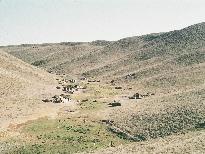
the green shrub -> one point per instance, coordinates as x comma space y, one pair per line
39, 63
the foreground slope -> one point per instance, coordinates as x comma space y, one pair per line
22, 88
192, 142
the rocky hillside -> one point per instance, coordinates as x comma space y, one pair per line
163, 62
119, 58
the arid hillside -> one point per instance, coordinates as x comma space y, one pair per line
138, 54
22, 88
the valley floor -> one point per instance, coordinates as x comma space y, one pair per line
83, 125
57, 127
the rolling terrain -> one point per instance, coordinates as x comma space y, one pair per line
167, 69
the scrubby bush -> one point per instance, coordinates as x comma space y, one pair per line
39, 63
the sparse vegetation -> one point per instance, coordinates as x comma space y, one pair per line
39, 63
65, 136
175, 114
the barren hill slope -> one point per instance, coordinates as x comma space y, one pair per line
163, 62
117, 58
52, 56
22, 88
